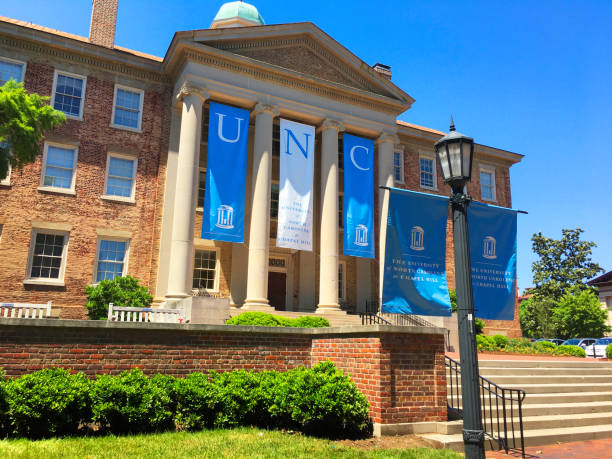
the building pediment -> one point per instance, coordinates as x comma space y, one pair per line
301, 49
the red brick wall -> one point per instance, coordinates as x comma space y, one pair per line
23, 203
401, 374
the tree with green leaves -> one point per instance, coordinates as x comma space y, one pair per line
559, 274
25, 119
579, 314
564, 264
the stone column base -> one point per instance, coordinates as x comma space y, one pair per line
261, 305
330, 309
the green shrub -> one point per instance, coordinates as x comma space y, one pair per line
50, 402
260, 319
483, 343
310, 322
322, 401
609, 351
131, 402
575, 351
197, 402
480, 325
500, 341
263, 319
121, 291
545, 346
4, 420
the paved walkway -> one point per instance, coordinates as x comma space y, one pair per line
506, 356
593, 449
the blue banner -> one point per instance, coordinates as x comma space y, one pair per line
228, 132
358, 197
415, 255
492, 233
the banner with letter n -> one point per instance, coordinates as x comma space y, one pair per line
358, 197
228, 132
414, 279
492, 233
295, 195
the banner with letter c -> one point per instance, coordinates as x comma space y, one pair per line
296, 181
492, 233
415, 255
228, 132
358, 197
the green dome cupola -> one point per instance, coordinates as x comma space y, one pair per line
237, 14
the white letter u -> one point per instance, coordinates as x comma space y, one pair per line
220, 129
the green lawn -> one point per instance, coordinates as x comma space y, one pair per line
213, 444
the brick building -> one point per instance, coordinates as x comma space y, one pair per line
118, 189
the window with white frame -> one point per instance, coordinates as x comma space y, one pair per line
120, 176
205, 270
127, 107
398, 167
111, 259
6, 181
47, 255
11, 69
59, 166
341, 280
69, 94
427, 171
341, 210
202, 175
487, 184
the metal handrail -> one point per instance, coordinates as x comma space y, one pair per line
368, 318
499, 407
373, 307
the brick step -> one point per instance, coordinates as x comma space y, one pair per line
555, 388
582, 363
535, 437
539, 422
490, 373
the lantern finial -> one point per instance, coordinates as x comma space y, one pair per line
452, 125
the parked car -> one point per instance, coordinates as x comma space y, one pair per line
582, 342
598, 349
555, 341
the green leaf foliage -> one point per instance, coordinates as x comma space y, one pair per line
480, 325
452, 293
609, 351
50, 402
198, 401
579, 313
563, 264
4, 419
121, 291
571, 350
536, 315
131, 403
24, 120
263, 319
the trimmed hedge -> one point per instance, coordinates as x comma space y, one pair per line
263, 319
609, 351
321, 401
525, 346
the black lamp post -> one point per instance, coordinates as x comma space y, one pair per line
455, 152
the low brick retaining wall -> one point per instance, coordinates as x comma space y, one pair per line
399, 369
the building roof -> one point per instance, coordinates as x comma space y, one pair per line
72, 36
239, 11
603, 279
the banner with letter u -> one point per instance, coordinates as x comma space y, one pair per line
295, 194
415, 255
492, 233
228, 131
358, 197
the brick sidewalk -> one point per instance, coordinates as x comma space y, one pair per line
592, 449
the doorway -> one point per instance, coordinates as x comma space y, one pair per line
277, 289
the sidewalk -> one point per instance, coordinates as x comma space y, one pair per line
593, 449
507, 356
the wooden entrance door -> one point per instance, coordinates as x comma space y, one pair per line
277, 289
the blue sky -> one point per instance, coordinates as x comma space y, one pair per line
533, 77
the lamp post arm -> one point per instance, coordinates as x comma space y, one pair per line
473, 433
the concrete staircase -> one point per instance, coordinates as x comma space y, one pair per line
565, 401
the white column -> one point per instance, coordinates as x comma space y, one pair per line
386, 147
259, 236
181, 247
328, 267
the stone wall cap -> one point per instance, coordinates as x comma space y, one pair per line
323, 331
